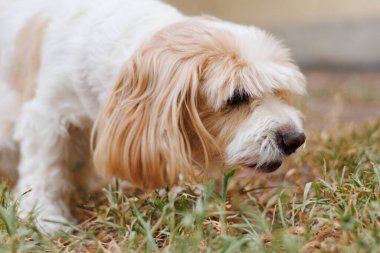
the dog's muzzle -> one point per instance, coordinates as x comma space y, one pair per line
288, 142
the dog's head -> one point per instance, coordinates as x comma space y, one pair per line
200, 94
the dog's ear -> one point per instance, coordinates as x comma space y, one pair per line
145, 130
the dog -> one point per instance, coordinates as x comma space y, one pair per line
140, 92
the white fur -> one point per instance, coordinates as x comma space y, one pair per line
86, 44
255, 141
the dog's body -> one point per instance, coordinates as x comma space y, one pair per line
163, 94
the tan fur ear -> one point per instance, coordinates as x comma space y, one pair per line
145, 130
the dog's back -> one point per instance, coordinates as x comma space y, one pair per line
21, 38
22, 26
53, 37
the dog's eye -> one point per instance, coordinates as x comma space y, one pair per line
238, 98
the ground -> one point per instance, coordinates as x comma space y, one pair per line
325, 199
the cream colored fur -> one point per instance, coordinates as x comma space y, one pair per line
168, 98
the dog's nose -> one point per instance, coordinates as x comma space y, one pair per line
289, 142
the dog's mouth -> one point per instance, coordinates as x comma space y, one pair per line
266, 167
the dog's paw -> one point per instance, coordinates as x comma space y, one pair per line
53, 223
50, 216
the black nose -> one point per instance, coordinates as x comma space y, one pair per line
288, 142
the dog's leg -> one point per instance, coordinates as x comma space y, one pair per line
9, 110
8, 159
43, 134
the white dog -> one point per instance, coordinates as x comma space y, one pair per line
167, 97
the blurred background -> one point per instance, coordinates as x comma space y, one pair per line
336, 43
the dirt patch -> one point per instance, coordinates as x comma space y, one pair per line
325, 239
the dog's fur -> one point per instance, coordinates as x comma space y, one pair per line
169, 98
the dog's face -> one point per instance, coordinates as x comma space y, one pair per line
200, 94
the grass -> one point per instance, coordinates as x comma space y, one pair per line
327, 201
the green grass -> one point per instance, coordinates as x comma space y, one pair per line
329, 203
